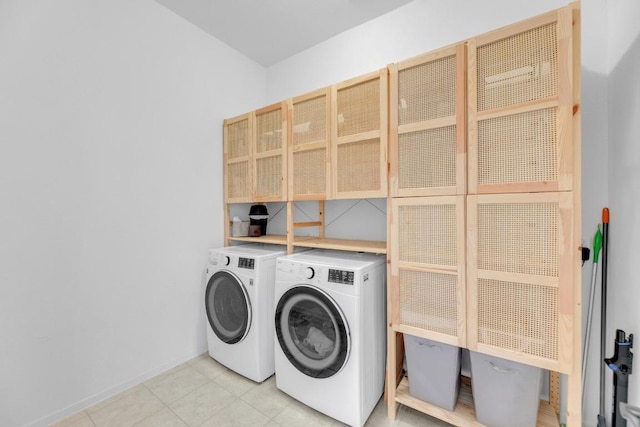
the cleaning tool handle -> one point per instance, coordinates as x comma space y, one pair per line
597, 244
605, 216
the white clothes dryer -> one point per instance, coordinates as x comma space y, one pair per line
330, 323
239, 306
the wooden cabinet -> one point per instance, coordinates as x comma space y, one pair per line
270, 153
359, 137
238, 170
427, 142
521, 107
309, 147
427, 268
520, 279
521, 141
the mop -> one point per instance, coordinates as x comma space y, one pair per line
603, 314
597, 244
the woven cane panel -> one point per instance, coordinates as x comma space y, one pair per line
518, 317
518, 238
518, 69
427, 234
359, 108
428, 301
427, 158
310, 121
427, 91
238, 180
359, 166
269, 176
309, 172
518, 148
238, 139
269, 131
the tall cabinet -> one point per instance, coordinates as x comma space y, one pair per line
485, 206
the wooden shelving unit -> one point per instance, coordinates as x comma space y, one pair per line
482, 186
509, 103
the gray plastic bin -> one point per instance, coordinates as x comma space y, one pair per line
505, 393
434, 371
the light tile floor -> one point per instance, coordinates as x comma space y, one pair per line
204, 393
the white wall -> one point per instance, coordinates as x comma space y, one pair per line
624, 179
416, 28
110, 175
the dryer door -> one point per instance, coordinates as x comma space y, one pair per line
228, 307
312, 331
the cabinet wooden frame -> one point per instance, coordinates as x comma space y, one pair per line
320, 144
275, 188
455, 115
547, 296
553, 105
238, 165
352, 126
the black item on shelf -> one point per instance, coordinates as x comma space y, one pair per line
258, 215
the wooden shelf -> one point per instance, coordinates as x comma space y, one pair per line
274, 239
464, 413
371, 246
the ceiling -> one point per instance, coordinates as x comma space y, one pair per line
269, 31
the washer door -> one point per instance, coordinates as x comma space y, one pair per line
312, 331
228, 307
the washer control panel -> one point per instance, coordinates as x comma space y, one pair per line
343, 277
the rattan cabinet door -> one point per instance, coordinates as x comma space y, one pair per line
237, 159
427, 281
520, 277
521, 107
310, 130
359, 143
427, 142
270, 153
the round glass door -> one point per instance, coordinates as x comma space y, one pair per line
228, 307
312, 331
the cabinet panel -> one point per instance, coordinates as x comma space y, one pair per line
427, 149
270, 155
237, 159
309, 155
520, 277
427, 267
520, 108
359, 143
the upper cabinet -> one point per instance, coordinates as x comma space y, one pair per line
309, 148
521, 107
359, 137
237, 159
427, 145
270, 153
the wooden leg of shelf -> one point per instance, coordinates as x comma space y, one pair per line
395, 353
290, 228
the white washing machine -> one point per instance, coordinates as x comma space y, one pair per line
239, 305
330, 323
